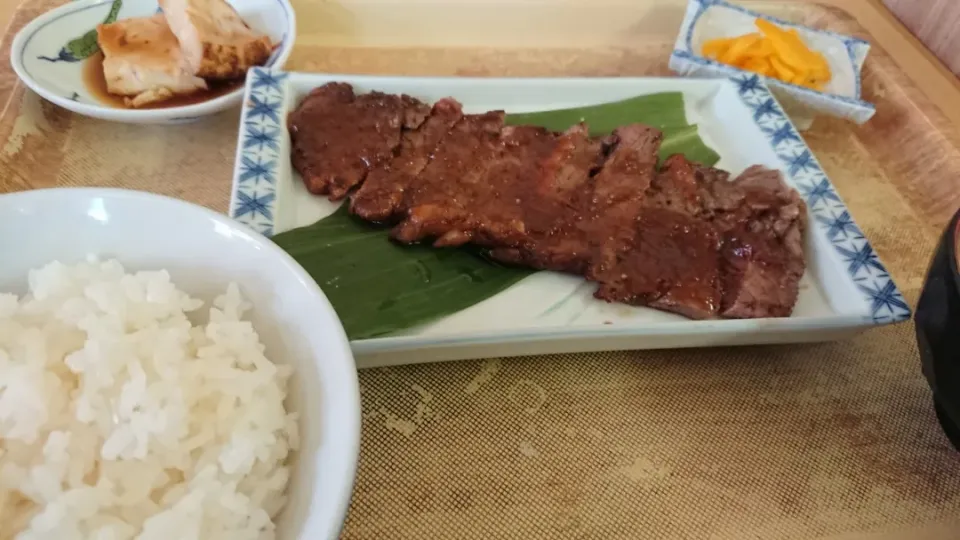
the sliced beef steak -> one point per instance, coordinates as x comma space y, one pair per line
555, 203
380, 197
671, 263
760, 223
762, 247
705, 246
686, 239
618, 195
670, 260
462, 195
676, 188
337, 137
758, 277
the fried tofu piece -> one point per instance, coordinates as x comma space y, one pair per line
142, 60
215, 41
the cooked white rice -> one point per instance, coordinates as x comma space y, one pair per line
120, 419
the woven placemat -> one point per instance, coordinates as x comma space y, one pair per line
833, 441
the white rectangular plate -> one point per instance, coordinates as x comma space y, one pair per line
845, 289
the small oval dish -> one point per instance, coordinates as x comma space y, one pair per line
56, 55
709, 19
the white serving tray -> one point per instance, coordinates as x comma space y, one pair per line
845, 290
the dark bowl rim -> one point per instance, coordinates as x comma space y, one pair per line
952, 252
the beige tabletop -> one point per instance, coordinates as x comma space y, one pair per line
6, 10
834, 441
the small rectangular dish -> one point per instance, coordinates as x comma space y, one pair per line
845, 290
709, 19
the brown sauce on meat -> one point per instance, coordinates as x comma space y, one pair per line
96, 84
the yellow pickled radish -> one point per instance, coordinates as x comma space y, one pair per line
774, 52
739, 48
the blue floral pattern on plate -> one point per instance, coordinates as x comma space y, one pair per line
829, 216
254, 201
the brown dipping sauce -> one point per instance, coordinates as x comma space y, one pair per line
96, 84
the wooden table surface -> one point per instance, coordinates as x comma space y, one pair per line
7, 7
936, 23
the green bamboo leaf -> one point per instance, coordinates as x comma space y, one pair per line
86, 46
658, 110
686, 140
379, 287
664, 111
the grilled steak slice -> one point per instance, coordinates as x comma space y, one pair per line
630, 167
758, 277
453, 195
481, 180
338, 137
676, 188
618, 195
671, 263
380, 197
762, 247
555, 205
511, 186
759, 222
670, 259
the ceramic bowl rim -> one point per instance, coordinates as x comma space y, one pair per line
953, 250
170, 114
345, 373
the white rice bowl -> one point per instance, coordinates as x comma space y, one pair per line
130, 410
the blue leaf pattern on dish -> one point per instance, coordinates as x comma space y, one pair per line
257, 169
261, 137
781, 134
254, 201
262, 107
255, 205
266, 81
819, 192
861, 258
748, 84
841, 225
830, 216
